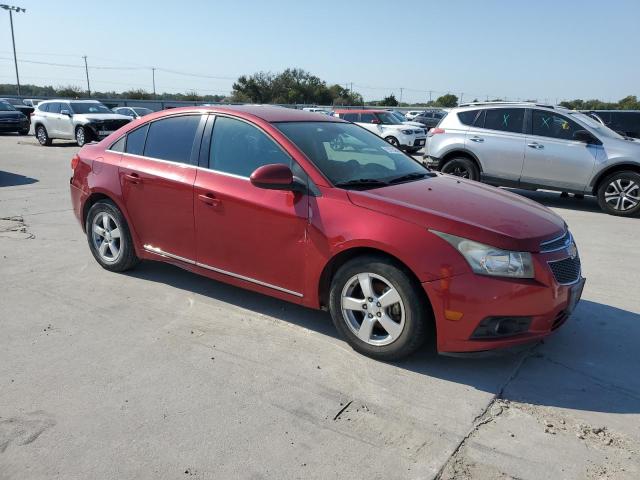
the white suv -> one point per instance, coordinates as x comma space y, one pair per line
387, 126
79, 120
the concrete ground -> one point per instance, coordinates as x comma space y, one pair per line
162, 374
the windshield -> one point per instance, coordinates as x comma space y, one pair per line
399, 116
88, 107
595, 125
345, 153
142, 111
387, 118
5, 107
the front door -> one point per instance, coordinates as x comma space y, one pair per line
157, 172
246, 232
553, 158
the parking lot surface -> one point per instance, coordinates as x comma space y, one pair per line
159, 373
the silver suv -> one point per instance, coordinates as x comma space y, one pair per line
532, 146
79, 120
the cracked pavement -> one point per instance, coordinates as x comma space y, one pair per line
163, 374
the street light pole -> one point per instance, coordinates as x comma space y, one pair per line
86, 70
12, 9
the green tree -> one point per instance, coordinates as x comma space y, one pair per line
137, 94
389, 101
70, 91
448, 101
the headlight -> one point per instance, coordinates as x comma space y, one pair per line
488, 260
407, 132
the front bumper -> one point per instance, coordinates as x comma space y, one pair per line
462, 302
14, 126
412, 141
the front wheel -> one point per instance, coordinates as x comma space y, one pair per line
378, 308
81, 136
109, 237
619, 194
462, 167
393, 141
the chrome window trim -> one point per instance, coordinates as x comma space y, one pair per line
162, 253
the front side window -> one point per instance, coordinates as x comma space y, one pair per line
350, 156
172, 138
367, 117
505, 119
239, 148
549, 124
350, 117
135, 140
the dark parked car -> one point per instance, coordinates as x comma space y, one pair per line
430, 119
625, 122
12, 120
19, 106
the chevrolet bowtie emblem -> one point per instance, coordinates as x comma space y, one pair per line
572, 250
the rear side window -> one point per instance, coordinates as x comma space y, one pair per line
467, 117
54, 107
551, 125
172, 138
505, 119
367, 117
350, 117
119, 145
135, 140
239, 148
44, 107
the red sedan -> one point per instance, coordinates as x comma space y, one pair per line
317, 211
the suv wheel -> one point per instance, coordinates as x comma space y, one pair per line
109, 238
81, 136
462, 167
42, 136
393, 141
619, 194
378, 308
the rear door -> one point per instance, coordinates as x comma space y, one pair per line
157, 172
497, 139
553, 158
243, 231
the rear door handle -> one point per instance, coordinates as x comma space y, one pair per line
535, 145
133, 178
477, 139
209, 198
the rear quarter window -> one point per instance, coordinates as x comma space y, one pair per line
467, 117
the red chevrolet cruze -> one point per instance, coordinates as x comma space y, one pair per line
318, 211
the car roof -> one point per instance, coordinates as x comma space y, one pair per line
69, 100
268, 113
361, 110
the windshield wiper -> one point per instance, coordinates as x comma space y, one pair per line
410, 176
362, 182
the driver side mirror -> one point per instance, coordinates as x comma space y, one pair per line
65, 112
376, 121
276, 176
586, 137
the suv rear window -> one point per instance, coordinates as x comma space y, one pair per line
467, 117
505, 119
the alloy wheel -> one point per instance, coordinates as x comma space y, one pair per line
80, 136
105, 234
372, 309
42, 135
622, 194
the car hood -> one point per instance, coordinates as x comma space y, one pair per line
101, 116
413, 124
467, 209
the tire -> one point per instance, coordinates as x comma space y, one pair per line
619, 194
462, 167
43, 136
82, 136
409, 316
393, 141
412, 150
104, 245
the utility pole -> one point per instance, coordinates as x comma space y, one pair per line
461, 95
86, 71
401, 89
153, 76
430, 92
12, 9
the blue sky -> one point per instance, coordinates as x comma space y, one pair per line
515, 49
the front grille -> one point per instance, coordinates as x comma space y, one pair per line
559, 320
111, 125
557, 243
566, 271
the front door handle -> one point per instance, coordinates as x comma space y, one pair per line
133, 178
209, 198
535, 145
477, 139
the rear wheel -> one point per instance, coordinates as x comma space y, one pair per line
462, 167
619, 194
378, 308
43, 136
109, 237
